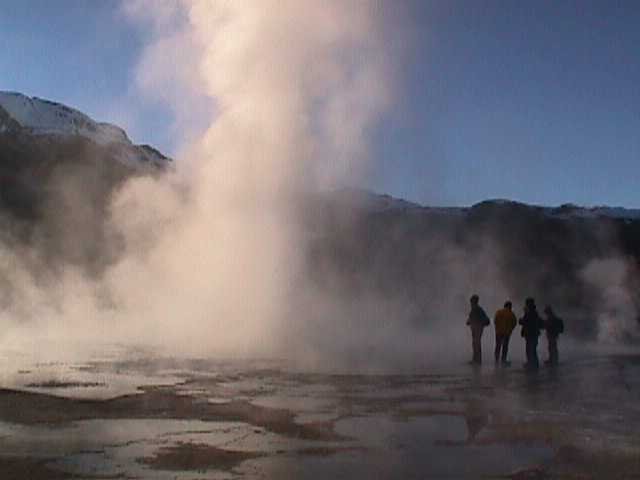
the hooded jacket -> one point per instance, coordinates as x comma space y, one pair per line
477, 319
505, 321
553, 325
531, 323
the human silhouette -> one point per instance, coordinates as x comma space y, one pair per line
531, 326
505, 321
477, 320
554, 326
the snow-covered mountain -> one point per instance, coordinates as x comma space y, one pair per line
54, 159
59, 170
23, 115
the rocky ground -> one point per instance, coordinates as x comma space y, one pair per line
134, 414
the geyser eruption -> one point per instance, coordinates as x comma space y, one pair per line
217, 258
210, 252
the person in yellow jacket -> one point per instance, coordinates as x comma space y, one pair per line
505, 321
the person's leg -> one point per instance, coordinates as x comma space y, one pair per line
534, 352
473, 347
477, 347
553, 350
499, 345
505, 348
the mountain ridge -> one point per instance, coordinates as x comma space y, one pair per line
23, 115
40, 117
366, 199
361, 248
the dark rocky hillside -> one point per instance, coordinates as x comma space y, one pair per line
55, 189
433, 259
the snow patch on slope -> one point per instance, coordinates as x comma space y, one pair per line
573, 211
377, 203
570, 211
36, 116
371, 202
43, 117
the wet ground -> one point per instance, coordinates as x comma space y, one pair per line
133, 414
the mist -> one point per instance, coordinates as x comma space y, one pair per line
233, 253
209, 253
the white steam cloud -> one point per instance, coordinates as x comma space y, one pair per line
296, 87
611, 278
212, 250
214, 255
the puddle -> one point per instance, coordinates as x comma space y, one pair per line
295, 403
115, 447
404, 452
389, 420
384, 432
432, 447
112, 448
75, 372
313, 417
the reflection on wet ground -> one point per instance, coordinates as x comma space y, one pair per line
139, 415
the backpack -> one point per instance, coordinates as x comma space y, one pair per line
559, 325
485, 319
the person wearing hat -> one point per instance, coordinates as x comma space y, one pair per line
531, 326
505, 321
476, 321
554, 326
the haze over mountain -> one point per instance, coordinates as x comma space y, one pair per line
368, 253
145, 303
583, 261
22, 115
58, 171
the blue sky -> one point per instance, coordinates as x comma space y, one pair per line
535, 101
82, 53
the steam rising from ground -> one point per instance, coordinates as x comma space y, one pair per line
214, 257
296, 86
612, 278
212, 251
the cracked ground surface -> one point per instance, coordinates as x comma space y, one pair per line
145, 416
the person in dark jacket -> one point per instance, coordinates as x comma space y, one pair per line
505, 321
531, 326
554, 326
476, 321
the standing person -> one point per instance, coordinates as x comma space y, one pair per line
477, 320
505, 321
554, 327
531, 326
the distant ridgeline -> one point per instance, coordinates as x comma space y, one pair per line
58, 169
583, 261
43, 141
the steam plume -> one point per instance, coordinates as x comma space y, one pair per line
296, 86
214, 256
